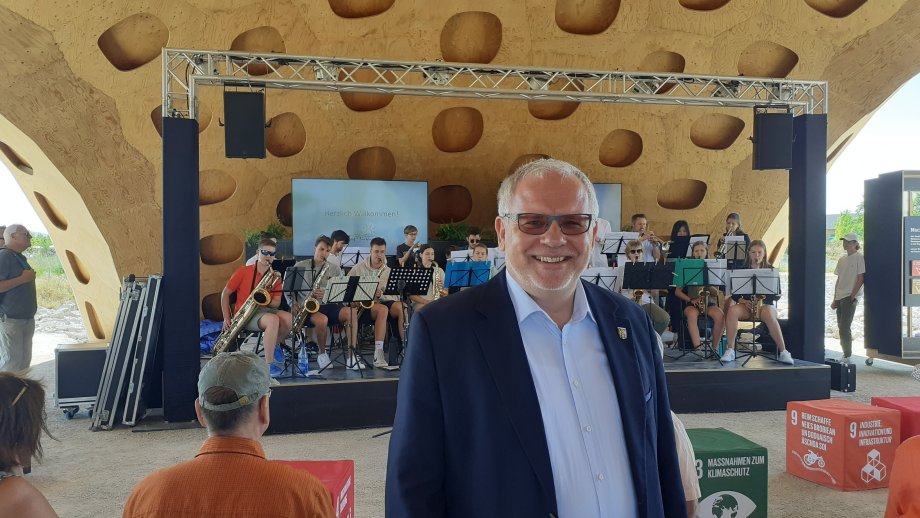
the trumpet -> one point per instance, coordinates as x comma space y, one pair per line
723, 246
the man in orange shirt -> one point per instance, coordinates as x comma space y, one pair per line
272, 322
230, 476
904, 485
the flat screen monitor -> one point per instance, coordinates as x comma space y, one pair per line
364, 209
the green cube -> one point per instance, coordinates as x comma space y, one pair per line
732, 472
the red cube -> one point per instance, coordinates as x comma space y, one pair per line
910, 413
339, 478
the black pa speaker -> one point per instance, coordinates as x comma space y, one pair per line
244, 124
772, 141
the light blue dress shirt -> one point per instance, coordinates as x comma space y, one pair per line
581, 413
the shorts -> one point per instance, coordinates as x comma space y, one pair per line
332, 313
253, 324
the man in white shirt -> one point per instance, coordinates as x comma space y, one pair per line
535, 394
340, 240
850, 271
651, 244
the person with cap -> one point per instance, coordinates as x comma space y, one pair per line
850, 272
230, 476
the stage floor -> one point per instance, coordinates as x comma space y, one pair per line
339, 398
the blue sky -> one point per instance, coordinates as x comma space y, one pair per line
889, 142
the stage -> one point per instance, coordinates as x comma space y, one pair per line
343, 399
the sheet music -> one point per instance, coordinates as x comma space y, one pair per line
717, 272
497, 256
696, 239
615, 242
742, 281
353, 255
461, 255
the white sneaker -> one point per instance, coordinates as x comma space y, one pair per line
845, 360
323, 360
380, 359
667, 337
354, 363
729, 355
785, 357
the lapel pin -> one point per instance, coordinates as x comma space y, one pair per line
622, 332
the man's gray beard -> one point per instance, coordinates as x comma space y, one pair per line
532, 281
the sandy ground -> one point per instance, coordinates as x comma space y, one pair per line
90, 474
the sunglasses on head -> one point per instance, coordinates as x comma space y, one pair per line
267, 252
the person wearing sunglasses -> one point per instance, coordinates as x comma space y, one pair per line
274, 324
660, 317
537, 392
473, 238
255, 257
18, 301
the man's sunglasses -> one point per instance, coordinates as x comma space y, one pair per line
267, 252
536, 224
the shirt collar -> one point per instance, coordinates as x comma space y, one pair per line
524, 305
227, 444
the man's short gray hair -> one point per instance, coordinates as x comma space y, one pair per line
539, 169
12, 229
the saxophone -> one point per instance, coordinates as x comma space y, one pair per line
259, 297
637, 296
311, 305
436, 280
700, 304
756, 305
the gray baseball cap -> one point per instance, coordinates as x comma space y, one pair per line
242, 372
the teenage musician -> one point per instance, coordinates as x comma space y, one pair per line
756, 258
339, 241
480, 253
406, 252
385, 305
272, 322
695, 298
732, 228
426, 260
328, 314
659, 316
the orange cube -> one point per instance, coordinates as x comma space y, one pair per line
841, 444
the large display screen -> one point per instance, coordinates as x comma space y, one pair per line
608, 199
363, 208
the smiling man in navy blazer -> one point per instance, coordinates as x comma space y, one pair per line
535, 394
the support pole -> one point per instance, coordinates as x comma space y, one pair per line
807, 205
180, 268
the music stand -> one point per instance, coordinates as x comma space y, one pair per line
615, 242
460, 256
467, 273
497, 256
679, 247
603, 276
695, 238
751, 283
405, 282
348, 290
293, 290
735, 251
353, 255
688, 273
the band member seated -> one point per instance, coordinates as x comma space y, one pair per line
473, 238
659, 316
436, 288
696, 298
480, 253
651, 251
406, 252
732, 228
328, 314
255, 257
339, 241
741, 310
272, 322
385, 306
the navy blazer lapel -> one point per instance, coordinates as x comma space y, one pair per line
631, 382
503, 349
